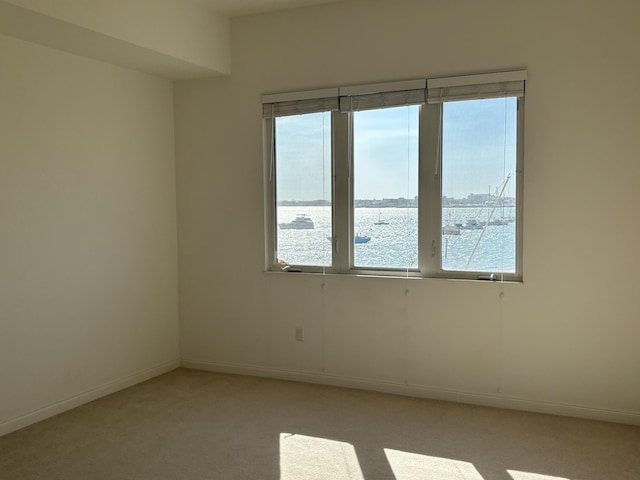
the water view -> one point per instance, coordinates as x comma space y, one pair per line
473, 238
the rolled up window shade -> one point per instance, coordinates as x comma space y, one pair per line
394, 94
381, 95
298, 103
467, 87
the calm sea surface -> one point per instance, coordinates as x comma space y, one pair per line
395, 245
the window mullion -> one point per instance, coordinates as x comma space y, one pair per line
519, 187
269, 192
430, 196
341, 187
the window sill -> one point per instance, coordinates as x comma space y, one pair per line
392, 275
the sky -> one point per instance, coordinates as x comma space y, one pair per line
385, 153
478, 151
303, 157
478, 146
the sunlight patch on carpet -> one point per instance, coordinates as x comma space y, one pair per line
412, 466
303, 457
531, 476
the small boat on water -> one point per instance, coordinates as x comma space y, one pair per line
494, 222
301, 222
451, 230
361, 239
472, 224
381, 221
358, 238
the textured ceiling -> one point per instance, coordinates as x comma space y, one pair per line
245, 7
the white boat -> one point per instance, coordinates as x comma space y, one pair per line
381, 221
495, 221
498, 221
451, 230
358, 238
472, 224
301, 222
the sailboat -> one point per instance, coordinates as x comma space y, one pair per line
380, 220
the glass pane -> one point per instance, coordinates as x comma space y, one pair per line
479, 185
303, 189
385, 143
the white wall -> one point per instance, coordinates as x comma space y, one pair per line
88, 267
565, 340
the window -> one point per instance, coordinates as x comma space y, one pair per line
303, 182
416, 178
385, 187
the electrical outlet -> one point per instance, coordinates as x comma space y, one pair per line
300, 333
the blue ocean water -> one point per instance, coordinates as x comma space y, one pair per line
394, 244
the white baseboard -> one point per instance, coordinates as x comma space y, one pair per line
629, 418
47, 411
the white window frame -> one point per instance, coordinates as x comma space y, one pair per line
341, 101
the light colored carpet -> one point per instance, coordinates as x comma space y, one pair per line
199, 425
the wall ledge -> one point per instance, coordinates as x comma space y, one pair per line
42, 29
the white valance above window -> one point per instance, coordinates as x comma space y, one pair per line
297, 103
382, 95
467, 87
393, 94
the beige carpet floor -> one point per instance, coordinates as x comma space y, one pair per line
199, 425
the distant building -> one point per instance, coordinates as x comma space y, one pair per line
481, 198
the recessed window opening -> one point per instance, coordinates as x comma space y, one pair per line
420, 177
303, 189
386, 187
478, 185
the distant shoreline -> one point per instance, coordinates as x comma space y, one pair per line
457, 205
